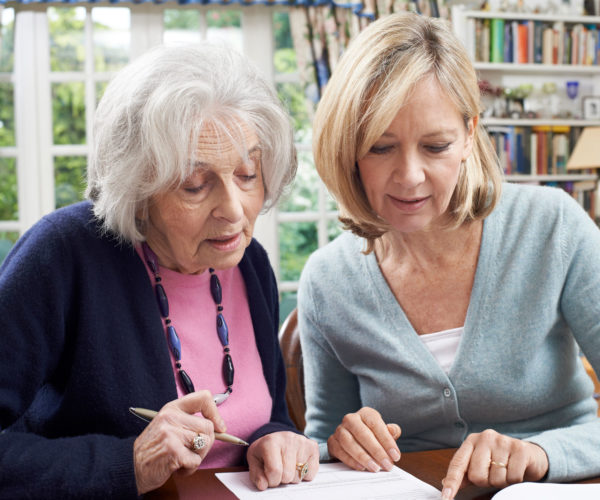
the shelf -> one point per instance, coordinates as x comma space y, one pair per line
572, 69
533, 122
524, 16
551, 178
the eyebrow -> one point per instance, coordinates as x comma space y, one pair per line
250, 152
435, 133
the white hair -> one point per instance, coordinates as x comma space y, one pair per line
148, 121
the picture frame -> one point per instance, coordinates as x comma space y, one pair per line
591, 108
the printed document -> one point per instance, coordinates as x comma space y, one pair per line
337, 481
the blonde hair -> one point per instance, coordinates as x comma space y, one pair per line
371, 82
149, 119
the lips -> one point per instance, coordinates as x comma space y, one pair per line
409, 204
226, 243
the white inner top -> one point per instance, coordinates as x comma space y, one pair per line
443, 345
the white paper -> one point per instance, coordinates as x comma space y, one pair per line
337, 481
549, 491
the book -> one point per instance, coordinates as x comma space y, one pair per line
522, 56
497, 40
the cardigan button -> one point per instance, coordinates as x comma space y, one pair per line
447, 392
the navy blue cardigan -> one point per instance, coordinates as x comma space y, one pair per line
82, 341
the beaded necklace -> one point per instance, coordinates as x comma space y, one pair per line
173, 338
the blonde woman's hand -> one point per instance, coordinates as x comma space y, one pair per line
492, 459
364, 441
276, 458
166, 444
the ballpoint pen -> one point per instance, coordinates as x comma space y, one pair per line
148, 415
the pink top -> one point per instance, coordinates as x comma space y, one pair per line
192, 311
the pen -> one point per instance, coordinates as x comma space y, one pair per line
148, 415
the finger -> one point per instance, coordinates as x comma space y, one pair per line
201, 402
313, 459
371, 433
337, 450
352, 447
289, 459
456, 470
257, 473
517, 464
272, 464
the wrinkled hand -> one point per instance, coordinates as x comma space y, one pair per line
272, 459
492, 459
165, 444
364, 441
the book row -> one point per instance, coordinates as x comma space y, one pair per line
533, 42
540, 150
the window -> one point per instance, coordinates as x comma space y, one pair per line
65, 56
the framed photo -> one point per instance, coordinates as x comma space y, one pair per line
591, 108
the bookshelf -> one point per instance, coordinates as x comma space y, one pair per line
528, 65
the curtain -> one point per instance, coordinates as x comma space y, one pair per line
322, 32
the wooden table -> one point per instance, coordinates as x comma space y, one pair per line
429, 466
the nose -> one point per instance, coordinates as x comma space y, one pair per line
409, 170
228, 203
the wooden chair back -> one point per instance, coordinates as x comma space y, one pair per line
289, 340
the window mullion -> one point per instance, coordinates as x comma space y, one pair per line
33, 117
90, 83
258, 42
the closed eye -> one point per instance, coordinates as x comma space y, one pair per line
194, 189
380, 150
438, 148
247, 178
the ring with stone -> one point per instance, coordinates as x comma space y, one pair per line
302, 470
199, 442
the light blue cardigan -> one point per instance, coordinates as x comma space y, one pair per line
536, 295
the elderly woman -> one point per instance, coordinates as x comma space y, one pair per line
149, 294
457, 307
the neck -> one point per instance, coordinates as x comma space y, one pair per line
439, 245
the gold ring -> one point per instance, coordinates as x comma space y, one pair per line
302, 470
498, 464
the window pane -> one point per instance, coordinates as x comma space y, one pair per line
292, 96
7, 40
7, 115
112, 37
8, 189
305, 190
7, 240
68, 113
297, 240
67, 50
181, 26
285, 55
287, 303
69, 179
225, 25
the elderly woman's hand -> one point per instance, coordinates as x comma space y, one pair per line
278, 458
492, 459
165, 446
364, 441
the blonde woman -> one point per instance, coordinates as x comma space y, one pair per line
451, 312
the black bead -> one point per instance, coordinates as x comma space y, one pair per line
187, 382
226, 349
215, 288
157, 278
228, 370
178, 365
220, 308
167, 321
163, 302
